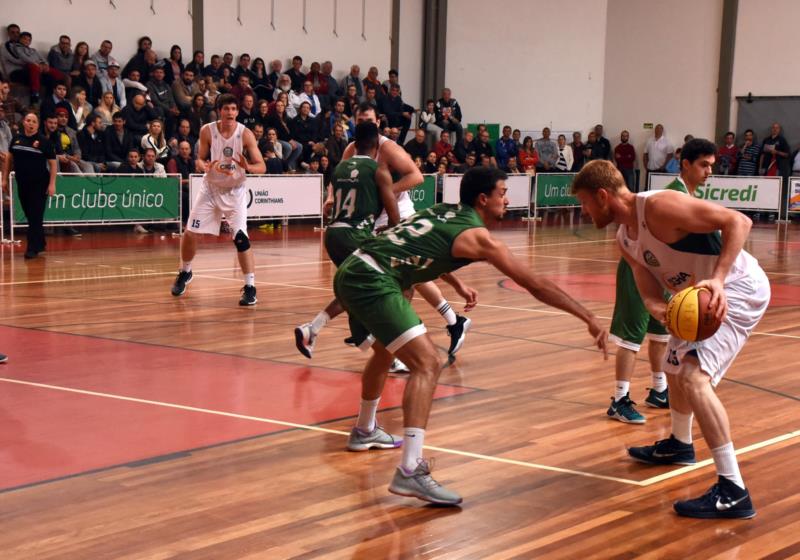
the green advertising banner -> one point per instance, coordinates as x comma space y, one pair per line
424, 196
109, 198
553, 189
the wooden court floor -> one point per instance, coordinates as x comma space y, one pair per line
137, 425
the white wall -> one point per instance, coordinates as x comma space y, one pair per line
255, 36
662, 66
528, 63
412, 17
95, 20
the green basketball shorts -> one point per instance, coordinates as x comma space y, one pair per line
341, 241
631, 320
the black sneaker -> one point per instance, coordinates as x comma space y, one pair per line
183, 279
458, 333
248, 295
665, 452
3, 358
724, 500
351, 341
657, 399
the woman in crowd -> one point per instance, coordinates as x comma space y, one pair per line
259, 80
137, 61
262, 113
106, 109
208, 87
155, 139
197, 64
80, 56
280, 123
80, 107
427, 122
431, 163
279, 147
527, 157
173, 66
33, 159
225, 84
199, 114
326, 169
446, 162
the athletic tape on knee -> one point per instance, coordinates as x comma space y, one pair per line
241, 241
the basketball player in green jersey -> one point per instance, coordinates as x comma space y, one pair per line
361, 190
673, 241
370, 285
629, 325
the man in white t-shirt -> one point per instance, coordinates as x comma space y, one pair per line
658, 151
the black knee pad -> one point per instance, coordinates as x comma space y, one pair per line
241, 241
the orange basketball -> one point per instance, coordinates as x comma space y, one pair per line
688, 315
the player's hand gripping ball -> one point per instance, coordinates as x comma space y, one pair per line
689, 316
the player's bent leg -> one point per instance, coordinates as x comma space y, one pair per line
658, 394
457, 325
188, 250
622, 408
247, 263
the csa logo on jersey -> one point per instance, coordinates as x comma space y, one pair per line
679, 280
227, 151
651, 259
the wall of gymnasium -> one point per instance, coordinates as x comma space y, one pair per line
528, 63
412, 18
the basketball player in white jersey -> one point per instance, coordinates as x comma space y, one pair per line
672, 241
225, 142
408, 176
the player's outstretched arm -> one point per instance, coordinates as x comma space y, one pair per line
255, 163
478, 244
469, 294
384, 181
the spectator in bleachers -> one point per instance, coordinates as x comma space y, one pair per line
313, 75
281, 149
272, 159
590, 148
548, 152
29, 65
625, 158
260, 133
183, 165
259, 80
371, 97
328, 89
516, 136
183, 89
208, 88
60, 56
392, 81
427, 122
197, 65
7, 53
183, 133
243, 68
156, 140
131, 164
443, 161
603, 144
225, 83
338, 115
577, 151
110, 81
419, 163
749, 155
727, 155
262, 112
657, 152
393, 134
90, 83
173, 66
674, 164
469, 163
103, 58
527, 156
336, 144
512, 166
418, 146
464, 146
454, 118
91, 141
505, 147
482, 147
296, 74
775, 152
227, 62
149, 164
281, 123
68, 151
5, 135
162, 98
80, 107
372, 81
79, 57
117, 142
137, 114
351, 99
275, 71
305, 130
326, 169
565, 160
247, 112
443, 148
13, 108
431, 163
214, 69
56, 100
308, 96
398, 114
354, 78
313, 166
134, 86
137, 61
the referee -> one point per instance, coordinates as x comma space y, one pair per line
33, 158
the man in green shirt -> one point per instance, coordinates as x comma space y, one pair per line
370, 285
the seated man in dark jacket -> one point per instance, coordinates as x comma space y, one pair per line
137, 114
417, 146
92, 143
397, 113
305, 130
118, 142
131, 164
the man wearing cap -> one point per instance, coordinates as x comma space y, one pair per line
90, 81
103, 58
110, 81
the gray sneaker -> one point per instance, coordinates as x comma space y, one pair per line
377, 438
420, 484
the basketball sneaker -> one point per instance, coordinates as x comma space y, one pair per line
183, 279
724, 500
377, 439
3, 358
304, 339
657, 399
420, 484
362, 343
458, 333
398, 367
665, 452
248, 295
625, 411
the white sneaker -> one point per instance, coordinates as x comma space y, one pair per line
304, 339
398, 367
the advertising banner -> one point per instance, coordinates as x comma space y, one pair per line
519, 188
276, 196
109, 198
794, 194
424, 196
731, 191
553, 189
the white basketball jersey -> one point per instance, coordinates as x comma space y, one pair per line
683, 263
226, 173
404, 203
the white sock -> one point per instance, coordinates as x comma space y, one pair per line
659, 380
727, 465
681, 425
250, 279
186, 266
621, 388
319, 321
447, 312
366, 415
413, 440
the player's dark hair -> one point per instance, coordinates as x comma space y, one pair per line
477, 181
697, 147
227, 99
366, 137
365, 107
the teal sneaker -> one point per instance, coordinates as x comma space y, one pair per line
420, 484
377, 439
624, 411
657, 399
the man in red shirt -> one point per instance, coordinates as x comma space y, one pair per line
727, 156
625, 157
443, 148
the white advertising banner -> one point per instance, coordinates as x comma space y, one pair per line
731, 191
519, 187
276, 196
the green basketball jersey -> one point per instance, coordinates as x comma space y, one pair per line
355, 193
677, 185
418, 249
